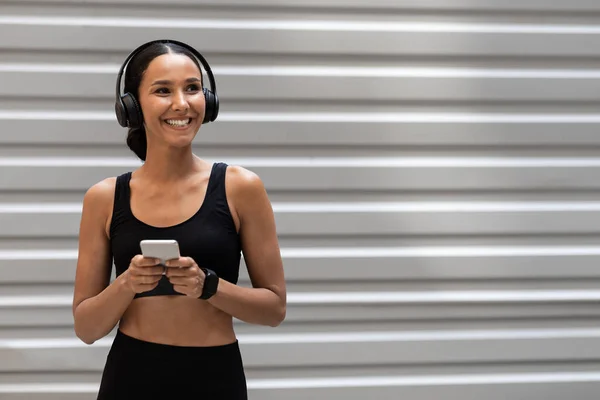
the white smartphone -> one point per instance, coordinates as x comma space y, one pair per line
164, 250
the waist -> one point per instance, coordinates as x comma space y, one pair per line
177, 321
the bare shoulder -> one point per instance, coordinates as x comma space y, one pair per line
98, 201
246, 192
242, 181
101, 193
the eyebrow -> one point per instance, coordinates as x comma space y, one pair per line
167, 82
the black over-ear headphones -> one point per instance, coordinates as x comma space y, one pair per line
129, 113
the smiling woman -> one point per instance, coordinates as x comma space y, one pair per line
164, 80
175, 320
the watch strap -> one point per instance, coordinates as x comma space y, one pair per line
211, 282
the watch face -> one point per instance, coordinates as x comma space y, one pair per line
210, 279
211, 282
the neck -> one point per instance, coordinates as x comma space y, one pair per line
167, 165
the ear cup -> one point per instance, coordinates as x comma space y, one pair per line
120, 112
212, 106
133, 112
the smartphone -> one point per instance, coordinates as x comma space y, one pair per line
164, 250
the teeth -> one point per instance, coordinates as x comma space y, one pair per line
178, 122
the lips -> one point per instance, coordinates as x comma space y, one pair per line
178, 122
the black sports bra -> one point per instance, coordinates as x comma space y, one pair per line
209, 236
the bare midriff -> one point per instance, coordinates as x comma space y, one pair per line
177, 321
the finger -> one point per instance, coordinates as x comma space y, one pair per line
182, 271
140, 272
147, 279
181, 262
141, 261
183, 281
151, 271
147, 286
149, 262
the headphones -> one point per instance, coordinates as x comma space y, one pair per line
127, 108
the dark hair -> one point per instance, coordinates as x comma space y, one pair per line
136, 137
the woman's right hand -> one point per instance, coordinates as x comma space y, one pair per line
143, 274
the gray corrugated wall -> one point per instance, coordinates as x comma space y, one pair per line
433, 166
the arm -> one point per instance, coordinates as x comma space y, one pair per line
97, 306
265, 302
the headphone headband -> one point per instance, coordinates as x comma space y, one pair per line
126, 107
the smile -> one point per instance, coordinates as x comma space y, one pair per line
179, 122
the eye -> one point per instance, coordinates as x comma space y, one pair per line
162, 90
194, 87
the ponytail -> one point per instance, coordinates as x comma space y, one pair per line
137, 142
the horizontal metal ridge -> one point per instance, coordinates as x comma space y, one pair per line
360, 5
296, 83
358, 218
302, 25
68, 162
370, 336
48, 388
471, 296
325, 37
304, 117
340, 349
453, 207
324, 162
436, 251
360, 252
38, 254
353, 298
311, 128
50, 208
466, 379
337, 337
325, 71
357, 207
350, 381
345, 265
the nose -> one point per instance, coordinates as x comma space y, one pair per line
180, 103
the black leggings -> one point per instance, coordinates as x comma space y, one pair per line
136, 369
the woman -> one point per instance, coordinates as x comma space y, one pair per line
175, 336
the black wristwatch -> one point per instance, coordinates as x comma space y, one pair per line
211, 282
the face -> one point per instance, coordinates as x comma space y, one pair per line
171, 99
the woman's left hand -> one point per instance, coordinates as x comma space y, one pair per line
185, 275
